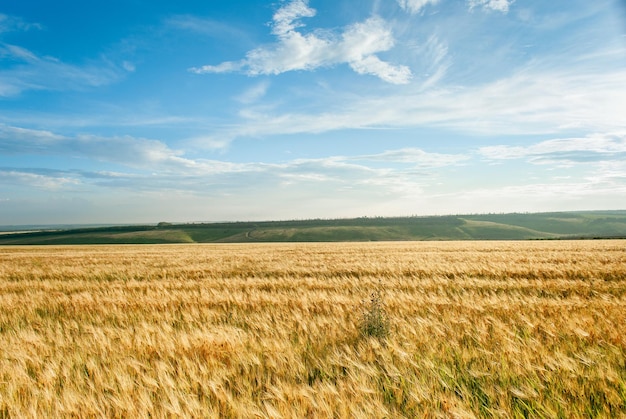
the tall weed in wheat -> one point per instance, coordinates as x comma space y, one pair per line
477, 329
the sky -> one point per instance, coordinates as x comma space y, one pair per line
135, 111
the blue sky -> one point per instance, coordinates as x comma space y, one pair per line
144, 111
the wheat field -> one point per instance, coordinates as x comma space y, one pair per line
475, 329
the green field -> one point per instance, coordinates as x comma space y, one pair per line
517, 226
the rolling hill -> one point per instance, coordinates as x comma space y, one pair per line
515, 226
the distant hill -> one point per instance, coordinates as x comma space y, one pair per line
516, 226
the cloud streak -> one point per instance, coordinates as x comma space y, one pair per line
24, 70
414, 156
294, 50
126, 150
597, 147
205, 26
496, 5
13, 23
46, 180
415, 6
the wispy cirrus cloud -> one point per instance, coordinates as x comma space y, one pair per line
13, 23
414, 156
125, 150
357, 46
415, 6
435, 60
254, 93
24, 70
206, 26
496, 5
40, 179
592, 148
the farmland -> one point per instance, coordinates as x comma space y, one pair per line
476, 329
520, 226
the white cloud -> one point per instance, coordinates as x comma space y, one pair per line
225, 67
356, 46
385, 71
359, 44
285, 19
497, 5
414, 6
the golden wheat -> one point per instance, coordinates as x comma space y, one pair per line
477, 329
